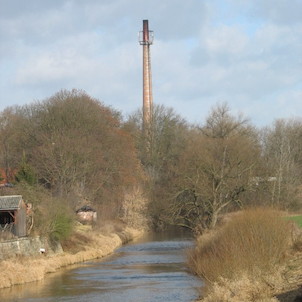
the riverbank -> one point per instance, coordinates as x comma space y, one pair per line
22, 270
151, 268
285, 285
255, 256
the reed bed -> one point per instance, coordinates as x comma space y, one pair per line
244, 259
24, 269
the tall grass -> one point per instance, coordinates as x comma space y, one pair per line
252, 242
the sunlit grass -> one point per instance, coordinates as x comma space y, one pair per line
254, 240
244, 259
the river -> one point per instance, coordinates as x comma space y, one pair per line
149, 270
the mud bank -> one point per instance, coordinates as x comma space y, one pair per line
22, 270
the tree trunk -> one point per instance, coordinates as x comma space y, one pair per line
213, 220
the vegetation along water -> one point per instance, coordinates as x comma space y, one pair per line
77, 162
151, 269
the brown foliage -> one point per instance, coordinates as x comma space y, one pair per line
252, 242
159, 152
215, 167
76, 147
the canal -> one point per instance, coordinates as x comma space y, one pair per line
149, 270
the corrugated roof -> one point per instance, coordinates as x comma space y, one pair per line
11, 202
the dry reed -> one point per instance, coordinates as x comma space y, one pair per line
247, 253
25, 270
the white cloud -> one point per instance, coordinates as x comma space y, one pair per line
243, 52
225, 40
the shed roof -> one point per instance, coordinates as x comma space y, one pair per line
86, 209
12, 202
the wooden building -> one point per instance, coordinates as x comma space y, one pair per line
13, 215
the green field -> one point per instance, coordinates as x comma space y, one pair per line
297, 219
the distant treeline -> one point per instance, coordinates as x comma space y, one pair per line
71, 147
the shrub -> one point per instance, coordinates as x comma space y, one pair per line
53, 218
26, 173
252, 242
61, 225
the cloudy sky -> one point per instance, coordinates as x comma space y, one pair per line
245, 53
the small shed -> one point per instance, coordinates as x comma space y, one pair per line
87, 214
13, 214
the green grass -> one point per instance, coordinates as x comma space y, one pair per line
297, 219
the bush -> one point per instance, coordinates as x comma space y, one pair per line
252, 242
26, 173
61, 226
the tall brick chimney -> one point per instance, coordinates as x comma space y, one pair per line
146, 39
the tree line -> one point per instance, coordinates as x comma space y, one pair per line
196, 173
74, 148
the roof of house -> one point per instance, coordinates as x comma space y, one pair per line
12, 202
86, 209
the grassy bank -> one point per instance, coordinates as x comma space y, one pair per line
250, 258
81, 247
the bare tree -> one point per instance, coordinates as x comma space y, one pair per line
215, 169
166, 141
282, 149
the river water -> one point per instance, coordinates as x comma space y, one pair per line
149, 270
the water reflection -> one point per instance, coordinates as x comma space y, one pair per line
143, 271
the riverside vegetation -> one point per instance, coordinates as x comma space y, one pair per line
254, 256
84, 244
71, 150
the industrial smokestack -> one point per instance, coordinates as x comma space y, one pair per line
145, 31
146, 39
